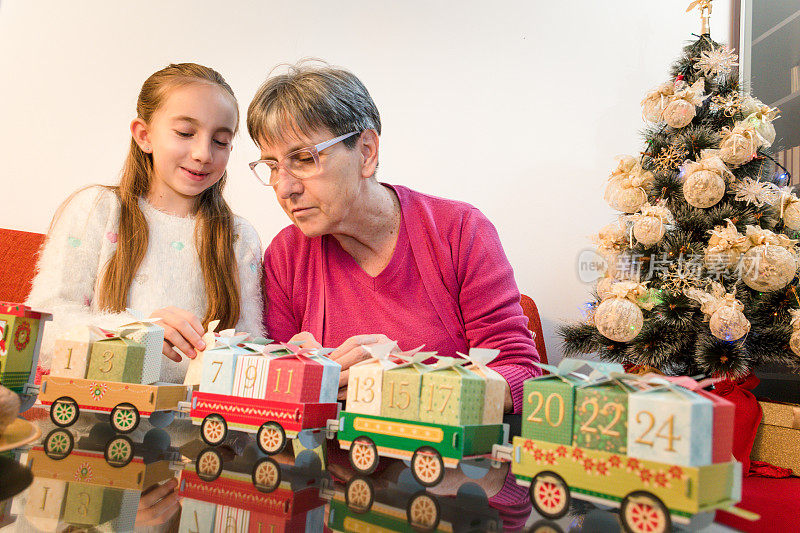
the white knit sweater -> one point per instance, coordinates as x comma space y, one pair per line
83, 239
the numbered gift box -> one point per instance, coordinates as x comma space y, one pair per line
91, 505
402, 385
365, 380
549, 401
149, 334
197, 516
601, 413
495, 393
231, 520
72, 350
451, 394
45, 503
252, 371
219, 361
20, 338
723, 413
294, 377
118, 358
331, 370
669, 424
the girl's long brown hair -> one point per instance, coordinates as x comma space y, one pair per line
214, 219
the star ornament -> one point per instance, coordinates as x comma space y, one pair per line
715, 62
729, 105
758, 193
669, 158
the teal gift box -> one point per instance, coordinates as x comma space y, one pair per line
669, 424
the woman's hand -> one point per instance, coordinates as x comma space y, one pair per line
353, 351
305, 339
182, 330
158, 504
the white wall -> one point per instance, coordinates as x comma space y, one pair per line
518, 107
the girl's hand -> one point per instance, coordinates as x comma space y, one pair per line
352, 351
158, 504
182, 330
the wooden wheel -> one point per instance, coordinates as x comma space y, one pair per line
642, 512
124, 418
423, 512
119, 451
213, 429
58, 444
427, 466
266, 475
209, 464
64, 412
359, 494
271, 438
550, 495
364, 455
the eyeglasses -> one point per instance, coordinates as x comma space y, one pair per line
302, 163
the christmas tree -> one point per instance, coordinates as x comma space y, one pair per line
702, 261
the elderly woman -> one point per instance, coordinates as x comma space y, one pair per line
367, 257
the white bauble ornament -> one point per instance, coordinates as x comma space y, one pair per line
729, 324
738, 147
703, 189
767, 268
627, 199
766, 130
679, 113
791, 216
618, 319
649, 230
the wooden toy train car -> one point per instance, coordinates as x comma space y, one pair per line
21, 331
658, 451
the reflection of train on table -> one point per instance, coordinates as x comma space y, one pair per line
251, 493
402, 506
96, 480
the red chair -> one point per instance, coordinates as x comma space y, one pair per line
535, 325
19, 251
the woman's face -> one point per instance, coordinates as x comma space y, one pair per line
190, 138
323, 204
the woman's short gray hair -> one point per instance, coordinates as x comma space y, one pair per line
308, 97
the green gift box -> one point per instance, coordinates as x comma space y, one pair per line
549, 401
91, 505
601, 415
451, 394
402, 385
116, 359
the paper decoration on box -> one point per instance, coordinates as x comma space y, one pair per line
45, 503
669, 424
402, 385
331, 370
197, 516
219, 362
294, 378
549, 401
495, 394
451, 394
365, 380
72, 350
19, 344
91, 505
151, 335
120, 359
194, 372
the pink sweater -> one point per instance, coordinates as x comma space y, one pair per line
448, 285
453, 255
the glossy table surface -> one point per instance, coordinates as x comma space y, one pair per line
87, 477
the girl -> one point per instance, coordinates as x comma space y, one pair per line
164, 241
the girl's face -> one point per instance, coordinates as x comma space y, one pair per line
190, 137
